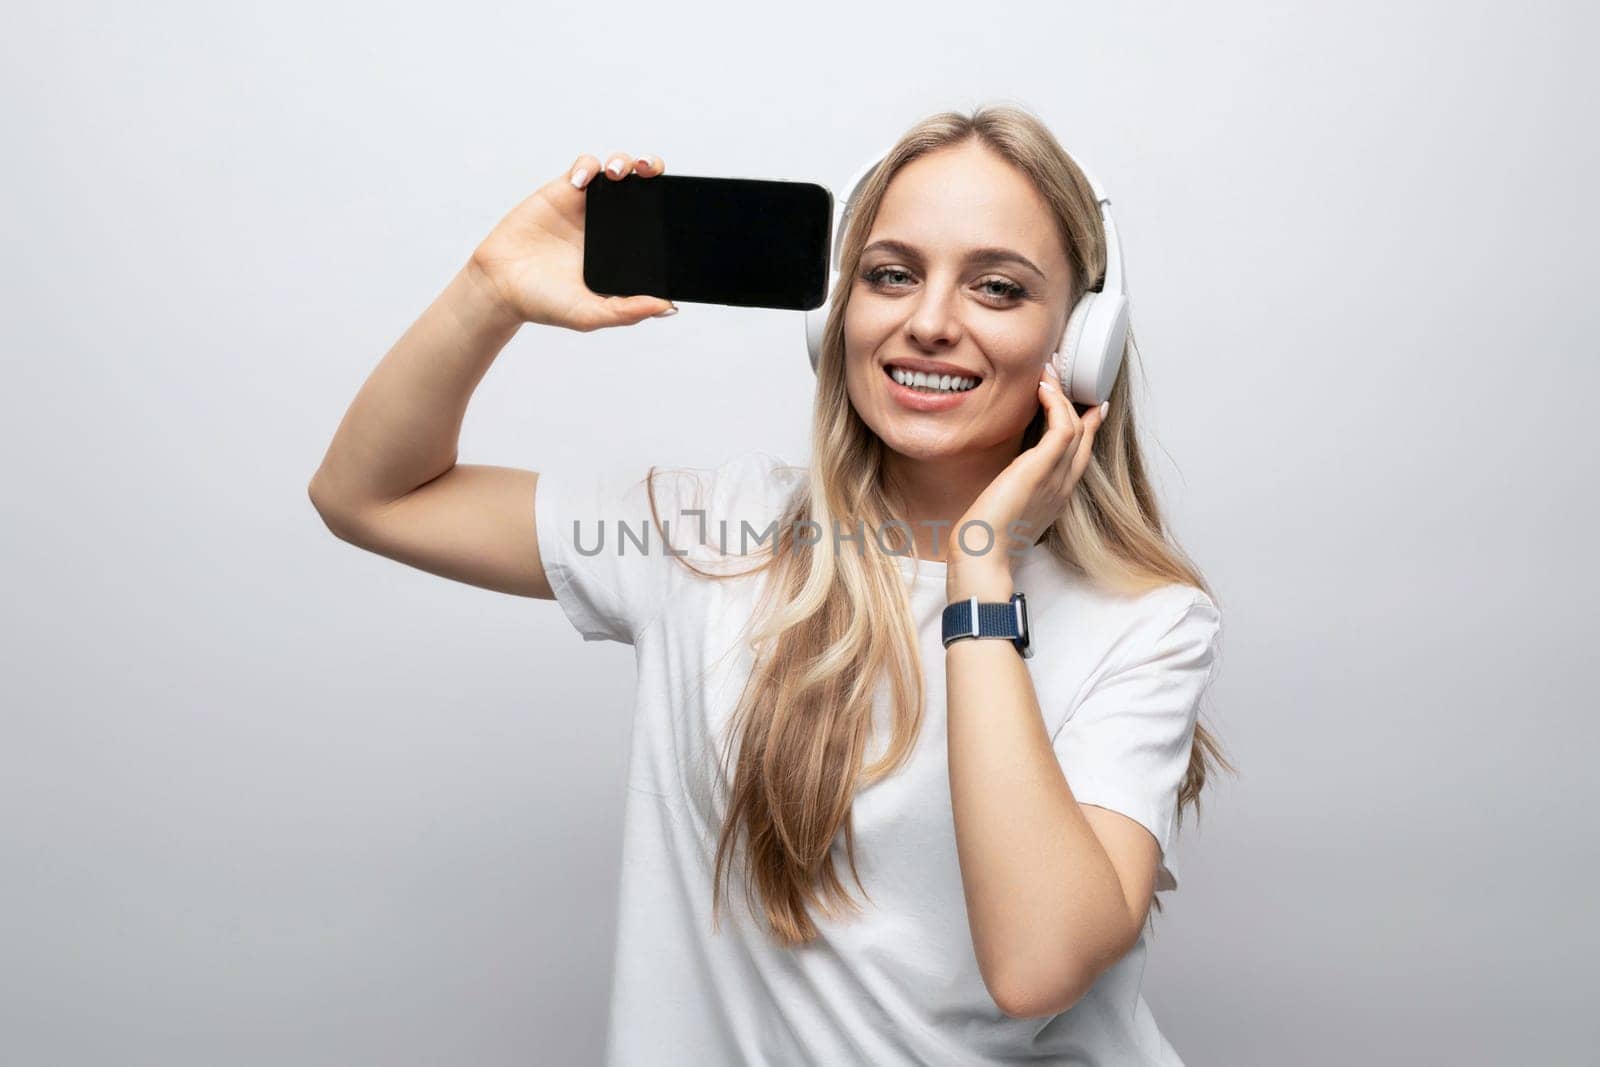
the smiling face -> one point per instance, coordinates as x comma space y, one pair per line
963, 273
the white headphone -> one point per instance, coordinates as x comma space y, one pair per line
1091, 348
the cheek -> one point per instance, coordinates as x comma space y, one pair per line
867, 323
1016, 358
1014, 346
865, 331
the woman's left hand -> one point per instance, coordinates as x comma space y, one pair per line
1031, 492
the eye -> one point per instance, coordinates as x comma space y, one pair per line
1008, 288
877, 275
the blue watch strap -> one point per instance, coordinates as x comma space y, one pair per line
974, 618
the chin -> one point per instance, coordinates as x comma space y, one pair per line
928, 444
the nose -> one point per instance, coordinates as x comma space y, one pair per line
934, 322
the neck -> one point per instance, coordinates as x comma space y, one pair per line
941, 490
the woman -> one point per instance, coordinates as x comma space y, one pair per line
1007, 821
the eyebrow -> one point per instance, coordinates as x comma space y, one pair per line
977, 255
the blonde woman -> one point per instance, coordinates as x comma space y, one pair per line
945, 854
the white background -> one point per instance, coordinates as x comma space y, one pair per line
268, 799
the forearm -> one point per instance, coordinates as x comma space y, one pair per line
1044, 902
403, 428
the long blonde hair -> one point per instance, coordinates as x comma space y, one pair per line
833, 627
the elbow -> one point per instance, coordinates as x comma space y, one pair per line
321, 502
1027, 987
1025, 995
336, 519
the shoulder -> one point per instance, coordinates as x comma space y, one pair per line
752, 486
1155, 607
1176, 626
1176, 607
1180, 605
1129, 628
750, 480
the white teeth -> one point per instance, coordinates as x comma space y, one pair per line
934, 383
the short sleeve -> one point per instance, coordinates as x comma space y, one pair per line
611, 567
1126, 745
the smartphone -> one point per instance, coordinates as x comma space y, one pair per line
745, 242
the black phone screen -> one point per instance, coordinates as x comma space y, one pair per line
740, 241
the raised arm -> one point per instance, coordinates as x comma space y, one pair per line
389, 482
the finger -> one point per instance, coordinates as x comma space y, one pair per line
1092, 423
1062, 426
624, 310
1066, 401
618, 166
1074, 436
649, 166
584, 168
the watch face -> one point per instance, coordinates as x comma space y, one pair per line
1024, 639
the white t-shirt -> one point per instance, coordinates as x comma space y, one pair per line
1118, 679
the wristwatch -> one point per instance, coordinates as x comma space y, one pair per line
970, 618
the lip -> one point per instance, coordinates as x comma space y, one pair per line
913, 400
931, 366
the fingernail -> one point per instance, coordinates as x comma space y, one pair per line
1050, 369
615, 166
578, 176
664, 314
1105, 407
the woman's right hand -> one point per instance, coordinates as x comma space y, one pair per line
531, 264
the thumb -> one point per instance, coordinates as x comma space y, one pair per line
627, 310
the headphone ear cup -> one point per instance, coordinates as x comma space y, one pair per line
1061, 359
1092, 350
816, 327
1067, 354
843, 210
